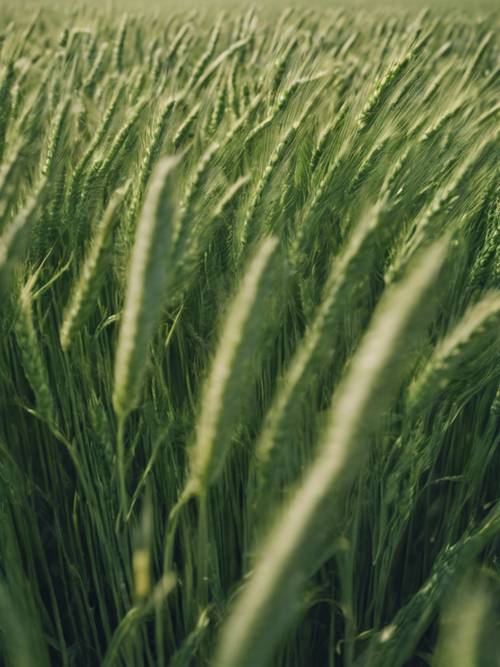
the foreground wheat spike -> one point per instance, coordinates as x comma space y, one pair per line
146, 284
316, 346
230, 382
269, 600
234, 364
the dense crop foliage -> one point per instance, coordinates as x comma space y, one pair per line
249, 352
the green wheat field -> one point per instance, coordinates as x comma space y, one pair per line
249, 336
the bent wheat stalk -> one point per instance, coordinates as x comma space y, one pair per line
147, 281
230, 380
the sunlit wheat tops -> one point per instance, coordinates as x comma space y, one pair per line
147, 281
